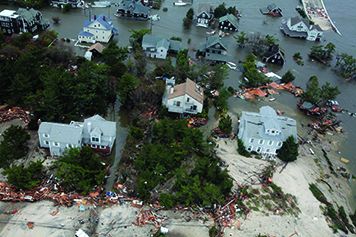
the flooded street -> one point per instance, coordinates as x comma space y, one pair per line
252, 20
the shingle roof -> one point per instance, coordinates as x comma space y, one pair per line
204, 7
27, 14
152, 41
102, 20
63, 133
134, 6
108, 128
190, 88
230, 18
98, 47
212, 40
253, 125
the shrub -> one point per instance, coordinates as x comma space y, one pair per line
241, 149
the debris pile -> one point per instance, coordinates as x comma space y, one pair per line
148, 216
8, 114
216, 132
196, 122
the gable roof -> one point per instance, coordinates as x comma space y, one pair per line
134, 6
296, 20
230, 18
101, 19
108, 128
155, 41
190, 88
212, 40
86, 34
98, 47
62, 133
204, 7
27, 14
272, 50
271, 6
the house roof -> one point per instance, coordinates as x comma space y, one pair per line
175, 45
8, 13
204, 7
98, 47
189, 87
216, 57
274, 49
291, 33
253, 125
86, 34
28, 14
271, 6
134, 6
212, 40
101, 19
152, 41
230, 18
62, 133
108, 128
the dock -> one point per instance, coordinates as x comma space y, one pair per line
316, 12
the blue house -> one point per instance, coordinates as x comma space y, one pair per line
97, 29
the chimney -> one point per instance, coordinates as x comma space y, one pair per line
104, 18
171, 90
94, 17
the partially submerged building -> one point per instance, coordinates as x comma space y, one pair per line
265, 132
97, 29
133, 9
95, 132
297, 27
157, 47
271, 10
184, 98
228, 22
204, 15
213, 49
21, 21
274, 55
71, 3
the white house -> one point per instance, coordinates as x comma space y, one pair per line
297, 27
97, 29
183, 98
95, 132
265, 132
155, 47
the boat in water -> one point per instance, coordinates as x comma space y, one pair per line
101, 4
154, 17
180, 3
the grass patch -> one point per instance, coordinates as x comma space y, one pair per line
318, 194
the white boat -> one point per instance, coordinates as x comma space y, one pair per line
100, 4
180, 3
231, 65
211, 32
272, 99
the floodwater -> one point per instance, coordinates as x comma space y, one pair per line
342, 13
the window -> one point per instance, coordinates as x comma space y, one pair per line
259, 149
279, 144
46, 142
188, 99
102, 147
249, 148
55, 144
272, 131
267, 150
194, 107
176, 103
270, 143
46, 135
69, 146
260, 141
251, 140
93, 146
94, 139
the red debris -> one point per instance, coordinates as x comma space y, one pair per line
30, 224
8, 114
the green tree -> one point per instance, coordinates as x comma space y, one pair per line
346, 66
188, 19
220, 11
232, 10
288, 77
14, 145
220, 102
190, 13
225, 124
329, 50
289, 150
137, 36
312, 92
25, 178
252, 77
241, 39
328, 92
270, 40
182, 64
114, 54
216, 80
80, 170
241, 149
140, 62
126, 84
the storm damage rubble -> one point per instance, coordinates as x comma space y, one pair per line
8, 114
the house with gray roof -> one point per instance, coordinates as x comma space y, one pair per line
204, 15
95, 132
297, 27
214, 50
21, 21
265, 132
157, 47
228, 22
133, 9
